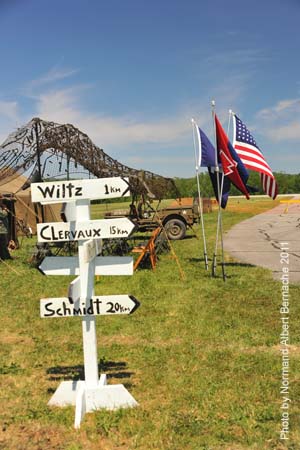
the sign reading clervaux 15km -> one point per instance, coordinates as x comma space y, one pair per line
92, 229
72, 190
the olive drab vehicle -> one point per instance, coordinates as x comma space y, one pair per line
176, 218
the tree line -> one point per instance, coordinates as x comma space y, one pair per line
287, 184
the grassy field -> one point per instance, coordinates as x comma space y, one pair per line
201, 357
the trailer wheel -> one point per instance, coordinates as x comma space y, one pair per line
176, 229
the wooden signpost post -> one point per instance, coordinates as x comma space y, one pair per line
92, 393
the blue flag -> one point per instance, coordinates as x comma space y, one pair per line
226, 185
206, 158
206, 151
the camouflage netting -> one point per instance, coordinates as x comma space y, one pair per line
53, 151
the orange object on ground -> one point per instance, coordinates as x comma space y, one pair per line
149, 248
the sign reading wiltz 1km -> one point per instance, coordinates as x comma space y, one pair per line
72, 190
92, 229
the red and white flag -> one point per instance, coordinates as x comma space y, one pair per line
252, 157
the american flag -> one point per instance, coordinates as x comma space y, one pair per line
252, 157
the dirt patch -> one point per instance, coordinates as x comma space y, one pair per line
120, 339
13, 338
133, 341
32, 437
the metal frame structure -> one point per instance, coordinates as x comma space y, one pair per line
52, 151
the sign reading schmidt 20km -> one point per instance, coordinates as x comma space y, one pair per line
72, 190
98, 305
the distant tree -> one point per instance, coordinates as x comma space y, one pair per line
287, 184
297, 184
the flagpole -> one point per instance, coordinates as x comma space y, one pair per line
221, 231
221, 223
220, 191
199, 197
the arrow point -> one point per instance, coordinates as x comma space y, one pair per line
136, 303
127, 188
39, 268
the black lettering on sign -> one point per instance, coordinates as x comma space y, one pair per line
77, 312
114, 190
51, 311
65, 190
47, 191
97, 302
118, 231
111, 308
116, 308
111, 190
78, 192
42, 233
49, 233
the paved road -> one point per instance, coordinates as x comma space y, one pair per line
258, 240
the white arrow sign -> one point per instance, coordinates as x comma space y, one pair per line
75, 231
71, 190
69, 265
98, 305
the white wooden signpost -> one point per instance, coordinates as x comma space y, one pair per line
92, 393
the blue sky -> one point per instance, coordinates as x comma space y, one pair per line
132, 73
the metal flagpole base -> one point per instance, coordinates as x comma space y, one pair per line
214, 266
223, 271
86, 399
205, 261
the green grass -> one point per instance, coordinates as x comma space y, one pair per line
201, 357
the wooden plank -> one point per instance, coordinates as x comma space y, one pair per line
74, 289
69, 265
91, 249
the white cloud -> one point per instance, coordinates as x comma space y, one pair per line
9, 110
54, 74
282, 108
290, 132
236, 58
58, 105
62, 106
281, 121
